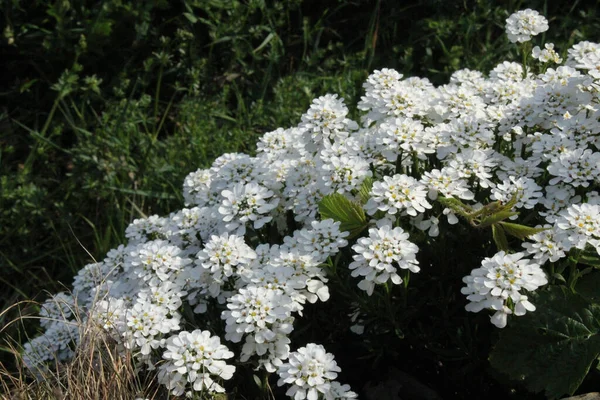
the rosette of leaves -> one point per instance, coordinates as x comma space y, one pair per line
554, 348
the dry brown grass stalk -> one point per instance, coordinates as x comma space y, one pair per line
99, 370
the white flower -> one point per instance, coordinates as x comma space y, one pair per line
398, 193
271, 353
524, 24
238, 168
326, 119
281, 144
381, 254
431, 225
499, 279
310, 370
185, 226
344, 174
447, 182
471, 162
339, 391
146, 325
578, 167
110, 314
196, 188
87, 279
558, 197
507, 71
56, 344
247, 203
167, 294
195, 358
323, 240
525, 190
254, 310
549, 245
156, 259
546, 55
402, 134
305, 279
59, 307
582, 50
145, 229
581, 222
225, 256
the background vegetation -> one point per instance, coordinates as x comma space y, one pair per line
106, 106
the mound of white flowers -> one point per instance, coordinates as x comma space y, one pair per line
252, 242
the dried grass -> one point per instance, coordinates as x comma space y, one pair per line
99, 370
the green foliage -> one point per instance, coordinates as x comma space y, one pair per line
108, 105
492, 215
589, 256
349, 213
553, 348
499, 238
519, 231
364, 192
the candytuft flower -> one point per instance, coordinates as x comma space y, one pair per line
500, 279
311, 371
381, 255
195, 359
524, 24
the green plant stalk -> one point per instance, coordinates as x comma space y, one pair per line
157, 97
390, 312
525, 49
573, 271
399, 163
32, 154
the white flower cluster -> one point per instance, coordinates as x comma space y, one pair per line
311, 372
381, 254
195, 358
498, 281
547, 54
524, 24
252, 248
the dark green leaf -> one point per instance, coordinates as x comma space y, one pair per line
511, 203
364, 193
350, 214
265, 42
590, 257
552, 348
496, 217
499, 237
191, 17
455, 205
520, 231
559, 277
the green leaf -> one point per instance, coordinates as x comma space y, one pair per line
455, 205
590, 257
559, 277
511, 203
496, 217
364, 193
350, 214
520, 231
269, 37
26, 85
499, 237
552, 348
191, 17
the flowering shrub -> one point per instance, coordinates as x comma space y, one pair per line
512, 158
